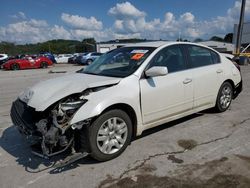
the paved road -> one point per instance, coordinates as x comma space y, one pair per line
203, 150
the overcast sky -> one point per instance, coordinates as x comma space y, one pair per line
31, 21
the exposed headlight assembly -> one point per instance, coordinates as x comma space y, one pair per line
66, 109
72, 105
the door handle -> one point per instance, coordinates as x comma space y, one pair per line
187, 80
219, 71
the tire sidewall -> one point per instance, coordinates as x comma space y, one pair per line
93, 131
44, 65
219, 108
89, 61
15, 67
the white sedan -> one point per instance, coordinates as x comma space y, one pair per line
3, 57
126, 91
63, 58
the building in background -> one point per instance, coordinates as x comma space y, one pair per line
222, 47
103, 47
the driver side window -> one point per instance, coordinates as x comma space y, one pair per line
171, 57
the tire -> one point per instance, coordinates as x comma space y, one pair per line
15, 66
116, 137
89, 61
44, 65
224, 98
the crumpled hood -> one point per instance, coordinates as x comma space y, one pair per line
48, 92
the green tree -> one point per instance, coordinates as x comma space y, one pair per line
89, 45
228, 37
198, 40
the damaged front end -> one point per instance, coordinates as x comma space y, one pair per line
49, 132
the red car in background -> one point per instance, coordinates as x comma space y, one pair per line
28, 62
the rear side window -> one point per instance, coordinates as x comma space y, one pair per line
199, 56
216, 57
171, 57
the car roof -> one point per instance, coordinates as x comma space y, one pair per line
157, 44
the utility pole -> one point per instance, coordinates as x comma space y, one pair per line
240, 27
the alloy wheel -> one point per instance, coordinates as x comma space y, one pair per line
226, 97
112, 135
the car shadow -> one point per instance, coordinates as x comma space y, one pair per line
16, 145
167, 125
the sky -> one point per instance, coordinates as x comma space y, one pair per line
31, 21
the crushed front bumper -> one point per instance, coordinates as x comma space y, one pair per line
24, 118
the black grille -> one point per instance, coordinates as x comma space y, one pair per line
24, 117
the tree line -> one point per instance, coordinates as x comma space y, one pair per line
53, 46
61, 46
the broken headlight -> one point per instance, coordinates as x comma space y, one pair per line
66, 109
71, 106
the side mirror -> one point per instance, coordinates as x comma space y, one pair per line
156, 71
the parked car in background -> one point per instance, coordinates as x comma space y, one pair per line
19, 56
88, 58
72, 60
63, 58
124, 92
3, 58
28, 62
48, 55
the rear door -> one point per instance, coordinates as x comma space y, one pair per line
169, 95
25, 63
207, 74
32, 62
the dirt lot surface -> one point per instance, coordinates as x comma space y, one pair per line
203, 150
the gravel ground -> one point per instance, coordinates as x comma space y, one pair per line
203, 150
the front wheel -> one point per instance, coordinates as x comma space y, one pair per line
15, 66
224, 97
109, 135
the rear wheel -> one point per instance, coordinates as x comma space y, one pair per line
15, 66
109, 135
44, 65
224, 97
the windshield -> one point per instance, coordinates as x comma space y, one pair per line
120, 62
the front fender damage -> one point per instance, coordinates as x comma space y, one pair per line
51, 131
